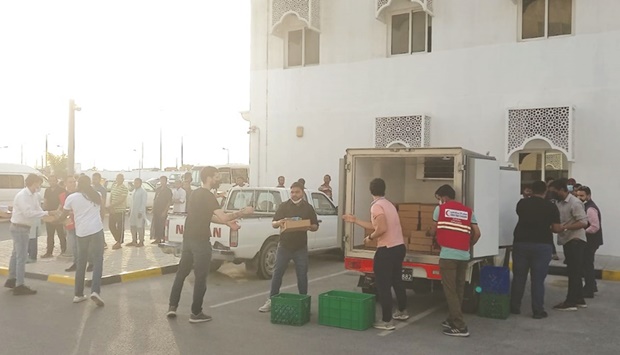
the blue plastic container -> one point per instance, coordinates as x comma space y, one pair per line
495, 280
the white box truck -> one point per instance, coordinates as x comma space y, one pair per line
412, 176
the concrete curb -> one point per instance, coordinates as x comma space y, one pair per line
599, 274
105, 280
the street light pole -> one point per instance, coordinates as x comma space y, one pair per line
71, 154
45, 157
227, 155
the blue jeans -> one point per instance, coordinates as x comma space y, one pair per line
89, 247
72, 243
532, 258
17, 265
197, 255
283, 258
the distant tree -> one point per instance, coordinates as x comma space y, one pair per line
186, 167
57, 164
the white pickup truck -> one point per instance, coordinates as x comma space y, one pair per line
256, 240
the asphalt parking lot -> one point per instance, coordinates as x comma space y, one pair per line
133, 321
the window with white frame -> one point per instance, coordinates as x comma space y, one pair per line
302, 48
410, 32
546, 18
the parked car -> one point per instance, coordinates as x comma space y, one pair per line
255, 243
12, 180
150, 192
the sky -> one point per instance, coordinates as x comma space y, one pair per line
134, 67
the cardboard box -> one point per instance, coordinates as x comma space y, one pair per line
420, 238
412, 224
295, 226
427, 208
419, 248
409, 214
411, 207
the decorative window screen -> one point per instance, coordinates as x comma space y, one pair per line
413, 131
308, 11
552, 124
382, 5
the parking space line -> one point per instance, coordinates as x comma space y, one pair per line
282, 288
411, 320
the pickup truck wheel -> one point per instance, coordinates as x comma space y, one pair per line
267, 260
215, 265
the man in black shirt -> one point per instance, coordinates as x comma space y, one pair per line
161, 205
201, 210
532, 248
51, 201
293, 245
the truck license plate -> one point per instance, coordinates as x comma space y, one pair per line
407, 275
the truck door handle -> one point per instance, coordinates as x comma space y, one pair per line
320, 221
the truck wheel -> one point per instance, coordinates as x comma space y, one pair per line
471, 298
267, 260
215, 265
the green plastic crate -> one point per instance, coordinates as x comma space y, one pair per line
349, 310
290, 309
494, 306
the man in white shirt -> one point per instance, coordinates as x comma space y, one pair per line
178, 197
26, 210
137, 214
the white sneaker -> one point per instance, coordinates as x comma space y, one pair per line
266, 307
97, 299
384, 325
398, 315
78, 299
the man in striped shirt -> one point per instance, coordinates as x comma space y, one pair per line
118, 205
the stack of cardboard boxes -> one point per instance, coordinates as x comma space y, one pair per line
416, 219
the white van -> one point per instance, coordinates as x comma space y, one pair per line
12, 180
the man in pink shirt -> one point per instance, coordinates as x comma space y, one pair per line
390, 254
594, 235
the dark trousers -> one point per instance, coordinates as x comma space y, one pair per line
453, 273
588, 269
51, 229
574, 251
283, 258
388, 268
158, 225
532, 258
117, 226
33, 248
196, 254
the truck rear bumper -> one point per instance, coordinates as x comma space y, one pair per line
419, 270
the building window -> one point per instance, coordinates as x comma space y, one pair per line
410, 32
546, 18
302, 48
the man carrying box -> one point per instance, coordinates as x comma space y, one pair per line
295, 218
456, 229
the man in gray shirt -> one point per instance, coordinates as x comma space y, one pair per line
573, 219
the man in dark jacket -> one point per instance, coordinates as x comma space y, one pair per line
594, 234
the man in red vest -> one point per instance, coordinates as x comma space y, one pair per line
456, 229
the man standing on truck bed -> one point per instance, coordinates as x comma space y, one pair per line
456, 229
201, 210
294, 244
391, 250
